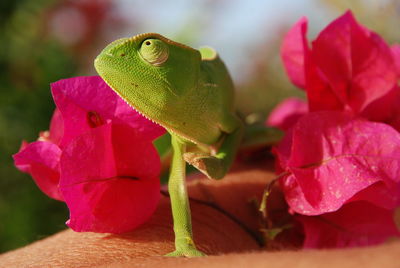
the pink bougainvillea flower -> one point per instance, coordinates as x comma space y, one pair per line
332, 160
355, 224
87, 107
109, 179
340, 159
331, 156
286, 114
347, 68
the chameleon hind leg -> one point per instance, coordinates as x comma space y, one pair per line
184, 244
216, 166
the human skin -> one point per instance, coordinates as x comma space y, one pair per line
227, 243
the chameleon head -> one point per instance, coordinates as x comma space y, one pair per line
150, 72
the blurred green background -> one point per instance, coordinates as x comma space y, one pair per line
42, 41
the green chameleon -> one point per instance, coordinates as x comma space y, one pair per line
190, 93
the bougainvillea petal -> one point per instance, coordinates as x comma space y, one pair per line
286, 114
395, 121
394, 107
293, 51
332, 54
380, 195
56, 127
356, 224
384, 109
396, 55
282, 152
109, 178
303, 71
320, 96
41, 160
125, 114
356, 62
333, 156
87, 102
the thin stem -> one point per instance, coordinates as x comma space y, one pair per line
267, 191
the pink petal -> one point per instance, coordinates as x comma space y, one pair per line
286, 114
395, 121
396, 55
109, 177
320, 95
293, 51
127, 115
357, 63
56, 127
384, 109
21, 166
87, 102
283, 151
380, 195
332, 54
41, 160
333, 157
355, 224
394, 117
303, 72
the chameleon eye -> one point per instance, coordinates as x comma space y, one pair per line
154, 51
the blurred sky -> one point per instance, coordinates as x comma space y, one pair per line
233, 27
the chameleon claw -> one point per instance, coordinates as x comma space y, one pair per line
210, 166
189, 253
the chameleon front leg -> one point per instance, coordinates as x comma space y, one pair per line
184, 244
216, 166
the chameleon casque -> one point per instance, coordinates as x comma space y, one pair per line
190, 93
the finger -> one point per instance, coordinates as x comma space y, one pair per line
369, 257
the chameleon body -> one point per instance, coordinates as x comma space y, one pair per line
190, 93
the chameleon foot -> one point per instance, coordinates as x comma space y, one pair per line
210, 166
188, 252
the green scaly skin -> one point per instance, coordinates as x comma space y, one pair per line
190, 93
